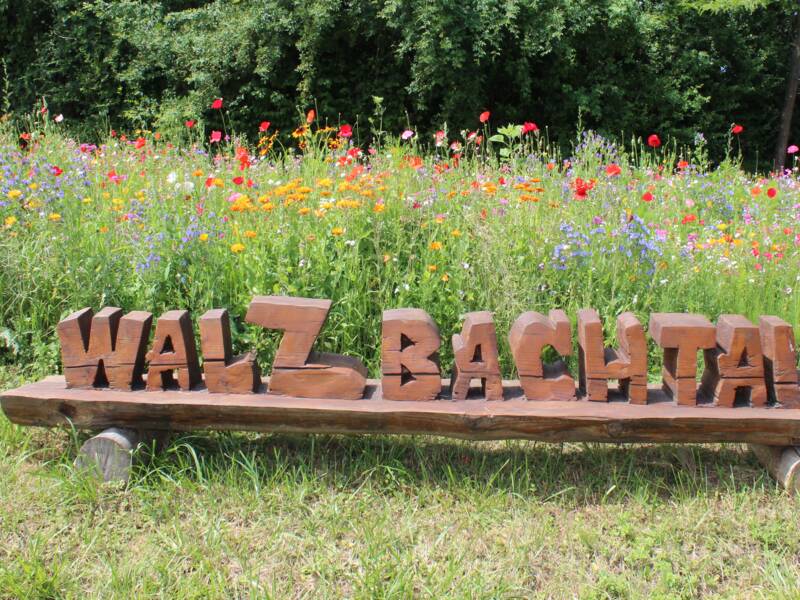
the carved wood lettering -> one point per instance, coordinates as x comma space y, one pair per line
173, 351
736, 366
529, 335
223, 372
780, 361
410, 343
297, 371
106, 349
597, 364
682, 336
475, 357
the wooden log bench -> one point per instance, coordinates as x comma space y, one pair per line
747, 392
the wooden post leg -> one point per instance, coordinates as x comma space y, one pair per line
110, 453
782, 462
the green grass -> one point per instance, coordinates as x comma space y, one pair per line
238, 515
225, 515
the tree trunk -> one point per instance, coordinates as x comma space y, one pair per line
789, 100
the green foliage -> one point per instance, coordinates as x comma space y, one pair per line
621, 66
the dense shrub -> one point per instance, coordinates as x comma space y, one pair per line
623, 67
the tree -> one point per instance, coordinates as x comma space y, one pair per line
792, 7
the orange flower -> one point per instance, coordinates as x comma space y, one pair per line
337, 231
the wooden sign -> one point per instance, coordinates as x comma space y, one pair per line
114, 376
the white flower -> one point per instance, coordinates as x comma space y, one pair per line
350, 243
58, 118
172, 177
465, 265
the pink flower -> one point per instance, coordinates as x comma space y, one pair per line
407, 134
216, 136
484, 116
58, 118
345, 131
792, 149
189, 123
528, 127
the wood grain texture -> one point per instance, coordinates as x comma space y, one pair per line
50, 403
529, 335
475, 356
410, 344
780, 361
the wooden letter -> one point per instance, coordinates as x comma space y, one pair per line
529, 335
681, 336
735, 364
173, 350
598, 364
104, 349
780, 361
409, 355
475, 357
297, 371
237, 375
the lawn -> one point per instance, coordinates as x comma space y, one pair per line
447, 225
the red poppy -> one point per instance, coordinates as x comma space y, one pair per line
772, 192
612, 170
653, 141
189, 123
345, 131
55, 170
688, 219
217, 104
238, 180
264, 126
647, 197
209, 181
216, 136
310, 116
140, 143
582, 187
528, 127
484, 116
737, 129
682, 164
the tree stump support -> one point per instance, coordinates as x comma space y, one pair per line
110, 454
782, 462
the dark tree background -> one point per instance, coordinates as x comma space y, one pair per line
622, 67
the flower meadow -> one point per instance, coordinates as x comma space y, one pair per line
491, 219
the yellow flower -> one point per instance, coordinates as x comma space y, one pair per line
337, 231
303, 210
432, 268
379, 208
439, 219
34, 186
87, 200
197, 173
54, 217
218, 182
237, 248
14, 194
435, 246
10, 221
455, 233
250, 234
445, 277
103, 229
